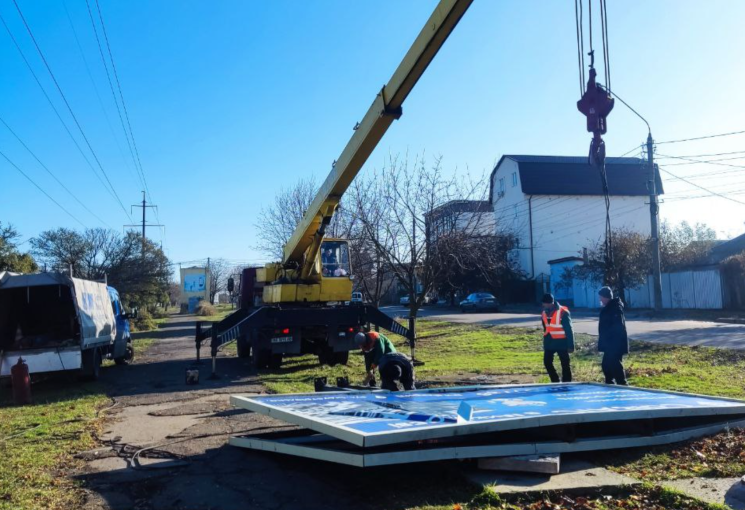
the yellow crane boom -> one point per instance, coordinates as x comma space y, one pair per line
301, 253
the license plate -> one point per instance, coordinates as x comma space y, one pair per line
282, 340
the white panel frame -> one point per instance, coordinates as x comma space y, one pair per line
308, 447
447, 430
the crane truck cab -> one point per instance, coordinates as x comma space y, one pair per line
321, 301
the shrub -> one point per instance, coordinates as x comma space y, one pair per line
143, 322
205, 309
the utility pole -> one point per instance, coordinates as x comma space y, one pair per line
208, 282
654, 217
144, 223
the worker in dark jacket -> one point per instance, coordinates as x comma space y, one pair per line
613, 341
558, 338
380, 354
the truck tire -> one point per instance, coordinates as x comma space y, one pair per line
260, 358
275, 361
91, 361
340, 358
129, 355
325, 357
244, 347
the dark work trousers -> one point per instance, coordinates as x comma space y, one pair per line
613, 369
395, 367
566, 369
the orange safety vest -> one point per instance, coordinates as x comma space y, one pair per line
553, 326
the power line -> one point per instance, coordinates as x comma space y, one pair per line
69, 108
41, 189
124, 104
702, 188
135, 174
632, 150
51, 173
708, 162
113, 94
708, 155
54, 108
702, 137
697, 161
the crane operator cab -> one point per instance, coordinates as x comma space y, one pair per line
335, 259
329, 278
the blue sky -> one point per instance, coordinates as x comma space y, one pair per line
231, 101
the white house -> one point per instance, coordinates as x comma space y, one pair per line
472, 216
555, 207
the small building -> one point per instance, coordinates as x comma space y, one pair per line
471, 216
555, 207
563, 290
194, 287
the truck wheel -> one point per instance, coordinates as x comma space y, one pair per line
260, 358
244, 347
325, 357
129, 355
91, 368
340, 358
275, 361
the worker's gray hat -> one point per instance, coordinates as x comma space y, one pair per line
360, 338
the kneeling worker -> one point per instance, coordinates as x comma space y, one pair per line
558, 338
381, 354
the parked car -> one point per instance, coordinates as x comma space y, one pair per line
404, 301
479, 301
430, 299
357, 298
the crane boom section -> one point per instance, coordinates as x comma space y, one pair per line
384, 110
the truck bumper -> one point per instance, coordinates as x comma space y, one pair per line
42, 360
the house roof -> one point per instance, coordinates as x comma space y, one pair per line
460, 206
726, 249
565, 259
570, 175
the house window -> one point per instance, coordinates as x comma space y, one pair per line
514, 179
515, 208
501, 184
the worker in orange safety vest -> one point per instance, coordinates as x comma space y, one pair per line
558, 338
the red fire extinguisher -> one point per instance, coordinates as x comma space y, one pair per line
21, 383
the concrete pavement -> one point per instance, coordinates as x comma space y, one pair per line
670, 331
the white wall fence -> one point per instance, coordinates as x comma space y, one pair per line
700, 289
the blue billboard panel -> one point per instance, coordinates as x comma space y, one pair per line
375, 418
194, 282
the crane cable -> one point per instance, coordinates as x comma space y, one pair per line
597, 151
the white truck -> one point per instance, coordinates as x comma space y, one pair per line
58, 323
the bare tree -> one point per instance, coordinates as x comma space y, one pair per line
277, 221
632, 262
394, 207
684, 245
219, 272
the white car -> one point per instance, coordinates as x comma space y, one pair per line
357, 298
404, 301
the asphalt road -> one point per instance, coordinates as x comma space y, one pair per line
685, 332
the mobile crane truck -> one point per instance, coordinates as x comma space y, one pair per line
306, 304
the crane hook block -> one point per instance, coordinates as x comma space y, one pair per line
596, 104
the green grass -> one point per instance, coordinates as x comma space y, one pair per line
37, 443
458, 352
